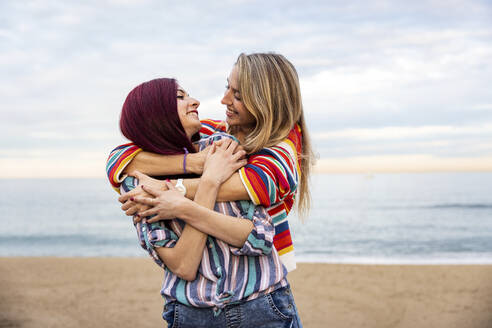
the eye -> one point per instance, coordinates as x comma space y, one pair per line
236, 95
180, 96
227, 86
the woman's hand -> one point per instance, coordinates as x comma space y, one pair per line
163, 204
222, 161
196, 161
129, 206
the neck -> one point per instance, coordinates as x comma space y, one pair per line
242, 132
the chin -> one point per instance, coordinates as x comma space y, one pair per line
198, 127
231, 122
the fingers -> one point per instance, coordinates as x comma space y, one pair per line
145, 201
169, 185
238, 155
239, 148
148, 212
232, 147
127, 205
155, 219
153, 191
224, 144
227, 145
123, 198
239, 164
134, 174
132, 193
132, 210
213, 148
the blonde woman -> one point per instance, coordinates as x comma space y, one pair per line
265, 113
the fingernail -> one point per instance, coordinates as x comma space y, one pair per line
132, 199
168, 180
138, 215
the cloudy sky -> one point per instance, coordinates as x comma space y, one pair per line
387, 85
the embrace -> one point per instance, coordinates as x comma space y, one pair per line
210, 199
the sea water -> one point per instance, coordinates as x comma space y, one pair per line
355, 218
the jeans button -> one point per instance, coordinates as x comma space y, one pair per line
289, 306
287, 291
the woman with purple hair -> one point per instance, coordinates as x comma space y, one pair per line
221, 268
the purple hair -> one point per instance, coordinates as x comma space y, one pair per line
149, 118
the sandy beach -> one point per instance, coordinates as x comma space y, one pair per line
124, 292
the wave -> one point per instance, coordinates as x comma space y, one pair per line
370, 260
478, 206
458, 205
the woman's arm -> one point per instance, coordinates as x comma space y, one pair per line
155, 164
253, 236
232, 230
231, 190
129, 157
182, 256
217, 169
185, 257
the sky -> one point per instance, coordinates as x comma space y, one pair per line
387, 85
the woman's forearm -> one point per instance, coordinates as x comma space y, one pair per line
231, 230
231, 190
156, 164
184, 259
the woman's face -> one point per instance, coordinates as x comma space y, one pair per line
188, 112
237, 114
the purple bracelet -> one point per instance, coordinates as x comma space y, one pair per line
184, 159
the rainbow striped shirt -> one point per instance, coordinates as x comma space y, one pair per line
226, 274
270, 177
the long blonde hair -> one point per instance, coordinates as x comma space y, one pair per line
269, 88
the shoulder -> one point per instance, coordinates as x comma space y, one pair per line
210, 126
288, 149
294, 139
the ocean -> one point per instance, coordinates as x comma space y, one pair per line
415, 218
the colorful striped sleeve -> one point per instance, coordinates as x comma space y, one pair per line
260, 239
210, 127
273, 173
117, 161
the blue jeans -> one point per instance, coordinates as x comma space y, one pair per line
273, 310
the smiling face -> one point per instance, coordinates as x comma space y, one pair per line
188, 112
237, 114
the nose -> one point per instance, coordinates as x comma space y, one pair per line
194, 102
226, 100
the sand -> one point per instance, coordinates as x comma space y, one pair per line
124, 292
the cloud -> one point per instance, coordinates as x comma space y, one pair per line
404, 132
403, 163
376, 77
442, 141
